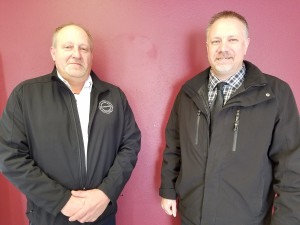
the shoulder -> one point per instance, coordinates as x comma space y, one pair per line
198, 80
105, 88
254, 76
33, 82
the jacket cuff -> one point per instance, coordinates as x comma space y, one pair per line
168, 193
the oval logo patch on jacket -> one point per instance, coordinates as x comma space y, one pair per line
106, 107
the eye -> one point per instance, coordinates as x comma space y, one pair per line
215, 42
68, 47
233, 40
84, 49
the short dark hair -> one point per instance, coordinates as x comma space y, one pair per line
228, 14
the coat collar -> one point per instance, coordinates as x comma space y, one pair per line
253, 77
197, 89
99, 85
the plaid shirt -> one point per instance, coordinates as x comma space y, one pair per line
233, 83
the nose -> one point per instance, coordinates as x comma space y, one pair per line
223, 46
76, 53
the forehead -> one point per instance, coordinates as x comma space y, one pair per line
72, 33
226, 27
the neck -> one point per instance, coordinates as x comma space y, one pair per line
76, 86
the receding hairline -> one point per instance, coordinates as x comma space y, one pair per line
225, 15
58, 29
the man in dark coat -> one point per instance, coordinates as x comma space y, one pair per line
232, 140
68, 140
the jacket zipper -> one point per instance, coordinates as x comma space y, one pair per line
235, 129
82, 178
197, 128
79, 152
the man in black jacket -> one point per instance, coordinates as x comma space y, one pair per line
226, 159
68, 140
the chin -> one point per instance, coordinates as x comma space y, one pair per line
223, 69
76, 73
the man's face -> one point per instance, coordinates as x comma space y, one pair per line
227, 44
72, 54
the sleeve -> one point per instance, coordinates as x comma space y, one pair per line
127, 155
172, 155
286, 146
16, 162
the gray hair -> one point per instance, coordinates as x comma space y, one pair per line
228, 14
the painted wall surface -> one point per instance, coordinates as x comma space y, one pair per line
148, 48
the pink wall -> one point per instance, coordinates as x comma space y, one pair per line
148, 48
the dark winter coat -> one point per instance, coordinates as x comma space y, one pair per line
231, 177
42, 150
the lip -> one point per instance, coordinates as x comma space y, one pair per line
224, 59
74, 63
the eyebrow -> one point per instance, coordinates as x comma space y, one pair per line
72, 43
230, 36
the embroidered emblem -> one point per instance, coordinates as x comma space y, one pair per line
106, 107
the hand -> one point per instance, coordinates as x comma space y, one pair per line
169, 205
95, 202
72, 206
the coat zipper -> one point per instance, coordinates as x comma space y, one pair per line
197, 128
235, 129
82, 178
79, 152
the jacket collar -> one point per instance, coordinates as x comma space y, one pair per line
197, 89
253, 77
98, 85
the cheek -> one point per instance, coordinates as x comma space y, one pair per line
212, 55
61, 57
210, 52
88, 60
240, 52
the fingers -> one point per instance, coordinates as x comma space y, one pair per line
95, 202
79, 214
169, 206
72, 206
85, 214
78, 194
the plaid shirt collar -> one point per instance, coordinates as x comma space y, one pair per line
233, 83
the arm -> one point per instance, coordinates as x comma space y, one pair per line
286, 156
126, 157
171, 162
16, 161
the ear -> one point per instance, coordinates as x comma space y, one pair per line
52, 51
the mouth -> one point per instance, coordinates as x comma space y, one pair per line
224, 59
74, 64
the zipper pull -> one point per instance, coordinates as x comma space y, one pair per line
235, 129
237, 121
197, 127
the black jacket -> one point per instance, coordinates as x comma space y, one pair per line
230, 177
42, 151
